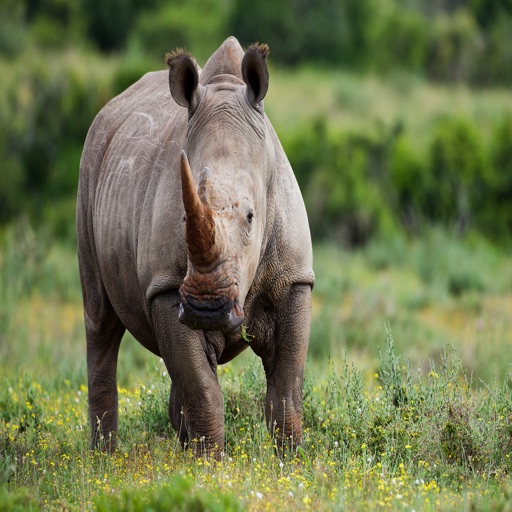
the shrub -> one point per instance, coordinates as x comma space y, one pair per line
131, 69
344, 180
43, 122
496, 214
198, 26
360, 184
13, 33
458, 169
55, 23
108, 24
403, 41
455, 45
408, 171
495, 66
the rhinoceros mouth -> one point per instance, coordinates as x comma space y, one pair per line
220, 314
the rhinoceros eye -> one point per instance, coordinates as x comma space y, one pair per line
250, 215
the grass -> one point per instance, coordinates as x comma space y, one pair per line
435, 291
407, 400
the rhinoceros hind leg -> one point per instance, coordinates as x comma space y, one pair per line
102, 351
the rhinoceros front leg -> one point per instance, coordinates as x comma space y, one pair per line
284, 366
102, 351
196, 406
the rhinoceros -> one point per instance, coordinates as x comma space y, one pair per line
192, 232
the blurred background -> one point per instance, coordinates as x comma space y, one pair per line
396, 116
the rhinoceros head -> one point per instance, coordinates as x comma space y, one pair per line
230, 154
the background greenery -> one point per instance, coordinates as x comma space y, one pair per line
397, 118
409, 120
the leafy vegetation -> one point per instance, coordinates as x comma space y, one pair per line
407, 400
445, 41
374, 154
360, 175
357, 184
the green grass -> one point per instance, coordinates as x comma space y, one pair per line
435, 291
407, 400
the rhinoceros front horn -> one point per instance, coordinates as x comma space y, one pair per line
200, 222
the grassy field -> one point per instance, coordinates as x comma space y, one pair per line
407, 401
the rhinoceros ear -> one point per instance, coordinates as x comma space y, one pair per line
255, 72
183, 79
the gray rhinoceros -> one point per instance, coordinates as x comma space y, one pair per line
192, 230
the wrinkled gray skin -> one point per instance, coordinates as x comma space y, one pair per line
181, 287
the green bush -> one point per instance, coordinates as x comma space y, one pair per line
458, 170
109, 24
130, 70
57, 23
455, 46
496, 215
365, 183
403, 42
44, 120
495, 67
360, 184
198, 26
408, 172
344, 180
447, 42
13, 33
